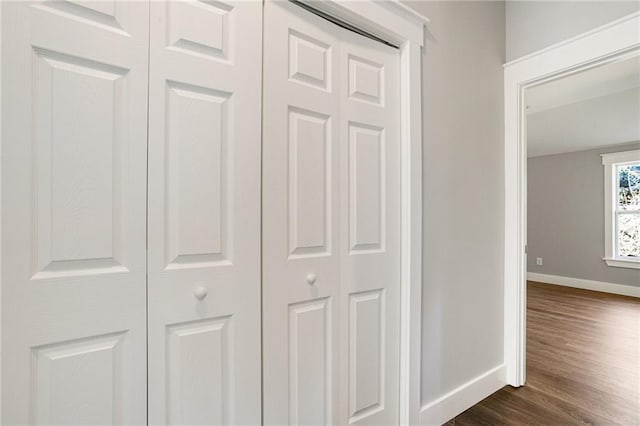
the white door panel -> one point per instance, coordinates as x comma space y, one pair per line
74, 140
370, 231
204, 213
300, 218
331, 254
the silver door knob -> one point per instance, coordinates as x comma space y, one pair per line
200, 292
311, 278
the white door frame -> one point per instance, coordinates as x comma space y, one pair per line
403, 27
605, 44
1, 212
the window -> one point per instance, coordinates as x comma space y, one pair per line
622, 208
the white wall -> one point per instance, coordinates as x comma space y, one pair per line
534, 25
463, 193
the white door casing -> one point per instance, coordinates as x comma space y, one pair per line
608, 43
74, 107
204, 212
331, 215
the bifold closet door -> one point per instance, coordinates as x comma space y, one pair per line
300, 218
331, 223
204, 213
74, 147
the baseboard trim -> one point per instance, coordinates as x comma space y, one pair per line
458, 400
624, 290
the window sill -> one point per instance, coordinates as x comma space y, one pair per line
623, 263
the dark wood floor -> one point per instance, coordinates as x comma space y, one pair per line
583, 363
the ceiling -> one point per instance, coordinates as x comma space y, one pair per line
591, 109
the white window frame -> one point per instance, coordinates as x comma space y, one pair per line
611, 162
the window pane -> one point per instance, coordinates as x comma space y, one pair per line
629, 187
629, 235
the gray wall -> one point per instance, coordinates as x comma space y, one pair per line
533, 25
462, 326
566, 217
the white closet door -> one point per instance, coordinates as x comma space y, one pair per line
331, 255
300, 217
204, 213
369, 231
74, 141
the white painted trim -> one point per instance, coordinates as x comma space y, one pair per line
625, 290
1, 50
458, 400
412, 14
573, 39
609, 43
609, 191
610, 161
623, 263
395, 23
621, 157
389, 20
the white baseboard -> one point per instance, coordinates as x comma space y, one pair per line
466, 396
625, 290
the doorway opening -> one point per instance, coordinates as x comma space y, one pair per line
583, 243
610, 43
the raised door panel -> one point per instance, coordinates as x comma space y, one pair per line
201, 28
74, 161
79, 382
366, 354
366, 188
204, 212
309, 61
310, 362
108, 15
199, 368
309, 183
78, 164
366, 80
198, 163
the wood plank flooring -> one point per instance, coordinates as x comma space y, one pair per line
583, 363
